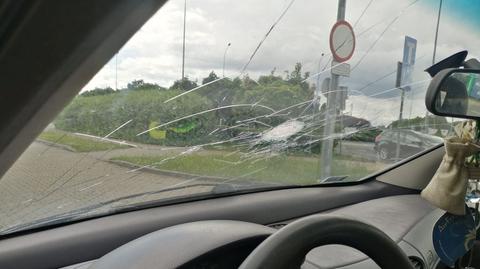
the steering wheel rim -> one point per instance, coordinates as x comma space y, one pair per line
288, 247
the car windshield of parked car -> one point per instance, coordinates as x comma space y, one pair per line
220, 97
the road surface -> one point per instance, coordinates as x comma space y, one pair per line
48, 180
357, 150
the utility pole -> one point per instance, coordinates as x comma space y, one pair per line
183, 47
116, 71
436, 32
434, 54
398, 84
331, 112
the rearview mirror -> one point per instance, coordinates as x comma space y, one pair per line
455, 93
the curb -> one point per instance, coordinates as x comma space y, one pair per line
115, 141
57, 145
166, 172
233, 182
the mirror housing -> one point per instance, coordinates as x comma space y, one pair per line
454, 61
455, 92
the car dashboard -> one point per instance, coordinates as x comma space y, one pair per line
407, 219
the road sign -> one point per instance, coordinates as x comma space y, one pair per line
341, 69
342, 41
408, 63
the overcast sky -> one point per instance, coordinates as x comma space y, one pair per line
154, 53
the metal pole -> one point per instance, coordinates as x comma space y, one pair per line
183, 47
436, 33
224, 56
331, 112
434, 55
116, 71
318, 87
398, 84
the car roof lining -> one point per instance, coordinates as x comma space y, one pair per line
73, 40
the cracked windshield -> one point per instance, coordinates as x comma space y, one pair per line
216, 97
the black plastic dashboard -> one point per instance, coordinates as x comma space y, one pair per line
90, 239
407, 219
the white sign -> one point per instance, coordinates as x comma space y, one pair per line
409, 52
341, 69
342, 41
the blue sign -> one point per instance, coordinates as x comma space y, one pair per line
408, 63
453, 236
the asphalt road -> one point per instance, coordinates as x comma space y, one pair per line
47, 181
357, 150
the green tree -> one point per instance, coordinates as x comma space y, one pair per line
296, 77
248, 83
184, 84
142, 85
98, 91
211, 77
264, 80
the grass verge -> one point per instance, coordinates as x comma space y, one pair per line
281, 169
78, 143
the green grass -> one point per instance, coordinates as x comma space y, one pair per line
281, 169
78, 143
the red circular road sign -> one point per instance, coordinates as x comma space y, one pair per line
342, 41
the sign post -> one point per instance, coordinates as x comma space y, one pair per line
404, 77
398, 85
342, 46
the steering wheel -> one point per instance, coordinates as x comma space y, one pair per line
288, 247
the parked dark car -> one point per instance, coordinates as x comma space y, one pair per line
410, 142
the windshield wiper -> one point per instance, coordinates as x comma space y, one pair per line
332, 179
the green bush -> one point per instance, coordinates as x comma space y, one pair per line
100, 115
101, 111
277, 96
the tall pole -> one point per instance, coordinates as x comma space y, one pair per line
331, 113
116, 71
434, 53
183, 47
318, 87
436, 32
398, 85
224, 57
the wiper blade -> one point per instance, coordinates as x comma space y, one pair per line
332, 179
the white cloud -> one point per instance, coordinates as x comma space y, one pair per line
154, 53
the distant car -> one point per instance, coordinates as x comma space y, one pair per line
410, 142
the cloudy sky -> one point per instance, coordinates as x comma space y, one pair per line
154, 53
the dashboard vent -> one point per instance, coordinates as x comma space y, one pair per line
416, 262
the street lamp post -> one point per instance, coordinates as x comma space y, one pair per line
434, 54
224, 56
436, 32
183, 43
